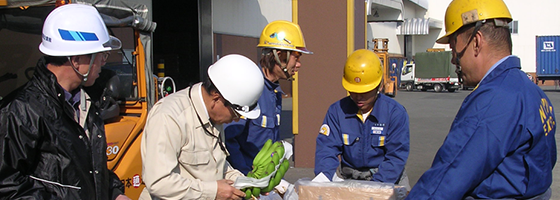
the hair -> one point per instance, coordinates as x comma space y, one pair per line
268, 60
209, 86
56, 60
498, 37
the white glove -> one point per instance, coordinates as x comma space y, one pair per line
282, 186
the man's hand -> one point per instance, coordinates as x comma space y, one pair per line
226, 191
122, 197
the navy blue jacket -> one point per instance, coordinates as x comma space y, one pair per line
382, 141
245, 138
501, 143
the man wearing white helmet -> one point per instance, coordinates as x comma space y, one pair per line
183, 153
52, 140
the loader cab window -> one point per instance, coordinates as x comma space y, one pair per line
121, 63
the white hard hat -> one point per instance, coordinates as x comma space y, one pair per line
76, 29
240, 81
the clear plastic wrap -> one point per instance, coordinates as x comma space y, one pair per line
347, 189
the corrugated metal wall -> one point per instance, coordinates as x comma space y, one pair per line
548, 56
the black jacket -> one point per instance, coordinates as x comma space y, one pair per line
46, 154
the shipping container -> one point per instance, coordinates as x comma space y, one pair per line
548, 58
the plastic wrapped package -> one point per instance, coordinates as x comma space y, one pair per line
347, 189
271, 196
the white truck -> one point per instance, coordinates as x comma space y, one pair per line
430, 70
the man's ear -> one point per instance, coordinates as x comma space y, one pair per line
477, 43
75, 61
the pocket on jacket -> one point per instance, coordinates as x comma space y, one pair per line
377, 140
349, 139
195, 157
266, 121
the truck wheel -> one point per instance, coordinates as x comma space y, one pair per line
409, 87
438, 87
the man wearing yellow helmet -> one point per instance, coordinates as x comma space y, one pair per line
368, 130
282, 45
501, 144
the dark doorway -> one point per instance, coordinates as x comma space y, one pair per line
176, 40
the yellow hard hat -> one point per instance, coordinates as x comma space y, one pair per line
463, 12
362, 71
283, 35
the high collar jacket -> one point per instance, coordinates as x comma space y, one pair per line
46, 154
501, 143
246, 137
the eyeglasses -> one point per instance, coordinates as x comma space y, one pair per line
104, 55
231, 106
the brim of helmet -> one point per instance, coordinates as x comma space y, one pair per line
444, 39
113, 43
252, 114
303, 50
298, 49
359, 89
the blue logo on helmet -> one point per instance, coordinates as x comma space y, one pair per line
77, 35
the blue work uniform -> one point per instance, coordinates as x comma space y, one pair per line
245, 138
501, 143
382, 141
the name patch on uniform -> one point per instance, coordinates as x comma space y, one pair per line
325, 130
377, 129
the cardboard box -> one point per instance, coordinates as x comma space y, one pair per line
348, 189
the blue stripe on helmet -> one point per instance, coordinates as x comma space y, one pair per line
77, 35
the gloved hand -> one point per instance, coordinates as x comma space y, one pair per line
283, 186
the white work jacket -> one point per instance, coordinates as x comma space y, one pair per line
179, 159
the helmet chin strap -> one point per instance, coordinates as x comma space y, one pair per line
462, 52
84, 76
284, 67
84, 79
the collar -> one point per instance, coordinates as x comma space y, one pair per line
507, 63
195, 94
271, 86
496, 65
46, 80
73, 99
352, 110
202, 100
